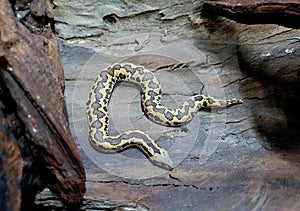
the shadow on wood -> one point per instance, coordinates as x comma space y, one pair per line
276, 66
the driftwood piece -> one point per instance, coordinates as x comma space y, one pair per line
37, 148
286, 13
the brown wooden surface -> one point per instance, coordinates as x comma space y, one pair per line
11, 165
286, 13
37, 148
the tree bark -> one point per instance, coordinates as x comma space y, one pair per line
37, 148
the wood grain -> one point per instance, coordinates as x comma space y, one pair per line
35, 130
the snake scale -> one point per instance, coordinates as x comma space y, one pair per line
97, 112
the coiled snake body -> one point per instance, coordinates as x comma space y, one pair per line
97, 111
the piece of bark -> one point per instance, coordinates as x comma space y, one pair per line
33, 111
286, 13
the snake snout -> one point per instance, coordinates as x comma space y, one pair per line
163, 160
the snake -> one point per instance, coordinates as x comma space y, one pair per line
151, 95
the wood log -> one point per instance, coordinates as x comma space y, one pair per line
37, 148
286, 13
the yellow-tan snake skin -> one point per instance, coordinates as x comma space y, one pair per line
97, 111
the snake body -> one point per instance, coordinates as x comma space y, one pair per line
97, 112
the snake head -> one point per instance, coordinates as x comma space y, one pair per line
162, 159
